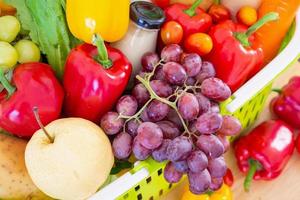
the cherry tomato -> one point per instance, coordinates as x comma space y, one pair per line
219, 13
228, 178
171, 33
298, 143
247, 15
199, 43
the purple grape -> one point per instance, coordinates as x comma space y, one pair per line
144, 116
197, 161
160, 154
150, 135
179, 149
225, 142
157, 111
214, 107
216, 184
171, 53
149, 60
192, 63
199, 182
190, 81
139, 151
204, 103
188, 106
161, 88
174, 73
122, 145
171, 174
159, 74
217, 167
215, 89
141, 94
210, 145
127, 105
209, 123
111, 123
231, 126
173, 117
132, 127
207, 71
181, 166
169, 129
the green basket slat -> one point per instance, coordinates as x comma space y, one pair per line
154, 186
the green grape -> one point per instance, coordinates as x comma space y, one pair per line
8, 56
9, 28
28, 51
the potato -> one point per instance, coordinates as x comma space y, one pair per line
205, 4
15, 182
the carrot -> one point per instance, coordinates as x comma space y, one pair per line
272, 34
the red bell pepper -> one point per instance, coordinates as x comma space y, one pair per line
287, 105
162, 3
35, 85
265, 151
94, 79
192, 19
236, 55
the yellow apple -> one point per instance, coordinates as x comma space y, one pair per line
75, 164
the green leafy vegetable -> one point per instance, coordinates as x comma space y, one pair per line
119, 166
46, 24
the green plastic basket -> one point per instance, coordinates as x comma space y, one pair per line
146, 181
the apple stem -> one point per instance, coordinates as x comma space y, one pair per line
38, 119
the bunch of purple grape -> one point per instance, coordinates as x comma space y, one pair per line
172, 114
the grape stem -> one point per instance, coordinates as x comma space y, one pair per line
153, 95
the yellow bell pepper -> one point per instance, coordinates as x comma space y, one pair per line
224, 193
108, 18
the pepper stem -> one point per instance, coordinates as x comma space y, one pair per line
217, 2
244, 37
191, 11
5, 83
102, 57
254, 166
279, 91
38, 119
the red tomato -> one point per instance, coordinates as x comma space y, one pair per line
171, 33
298, 143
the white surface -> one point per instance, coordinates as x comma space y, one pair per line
267, 74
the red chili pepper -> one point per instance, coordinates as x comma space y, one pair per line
287, 105
161, 3
35, 85
192, 19
298, 143
228, 178
236, 55
265, 151
219, 13
94, 80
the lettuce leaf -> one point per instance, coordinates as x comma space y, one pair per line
45, 22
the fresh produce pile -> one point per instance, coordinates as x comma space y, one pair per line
172, 114
89, 87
